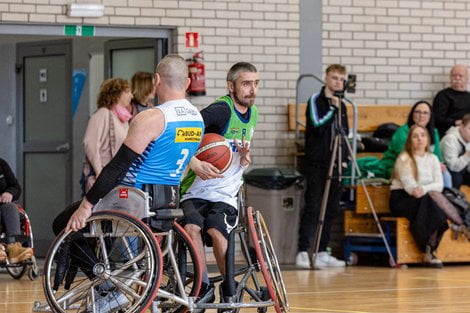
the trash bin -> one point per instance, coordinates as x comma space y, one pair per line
277, 194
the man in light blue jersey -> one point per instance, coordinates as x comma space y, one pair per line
158, 147
155, 153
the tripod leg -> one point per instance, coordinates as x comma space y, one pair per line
369, 200
324, 202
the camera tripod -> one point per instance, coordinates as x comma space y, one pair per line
336, 160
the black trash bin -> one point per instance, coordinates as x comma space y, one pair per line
277, 194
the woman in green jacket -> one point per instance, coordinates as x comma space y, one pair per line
421, 114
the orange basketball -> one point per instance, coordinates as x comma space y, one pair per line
215, 150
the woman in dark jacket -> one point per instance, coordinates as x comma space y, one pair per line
10, 191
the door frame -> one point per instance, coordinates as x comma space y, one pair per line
43, 48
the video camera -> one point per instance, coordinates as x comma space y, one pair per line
349, 86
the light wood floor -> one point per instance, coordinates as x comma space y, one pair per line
352, 290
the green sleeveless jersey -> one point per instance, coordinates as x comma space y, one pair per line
224, 189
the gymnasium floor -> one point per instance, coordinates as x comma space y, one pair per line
357, 289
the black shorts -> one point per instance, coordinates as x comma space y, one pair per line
207, 214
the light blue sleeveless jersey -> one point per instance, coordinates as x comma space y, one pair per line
166, 158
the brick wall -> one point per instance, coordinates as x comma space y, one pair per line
400, 50
264, 32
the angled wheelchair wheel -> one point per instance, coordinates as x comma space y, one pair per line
260, 255
114, 264
272, 263
182, 270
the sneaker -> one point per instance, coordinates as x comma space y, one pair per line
431, 260
324, 259
226, 299
3, 253
302, 260
207, 294
17, 253
465, 230
110, 303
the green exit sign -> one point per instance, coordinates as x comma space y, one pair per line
79, 30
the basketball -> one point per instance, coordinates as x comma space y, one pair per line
215, 150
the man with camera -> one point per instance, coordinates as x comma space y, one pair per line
326, 118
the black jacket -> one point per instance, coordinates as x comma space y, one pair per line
321, 130
450, 105
8, 182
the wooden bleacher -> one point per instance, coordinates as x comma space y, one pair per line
369, 116
360, 222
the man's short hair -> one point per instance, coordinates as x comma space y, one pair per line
238, 68
173, 70
466, 119
336, 68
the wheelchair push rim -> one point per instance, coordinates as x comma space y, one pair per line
115, 257
261, 259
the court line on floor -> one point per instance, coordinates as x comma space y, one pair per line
324, 310
374, 290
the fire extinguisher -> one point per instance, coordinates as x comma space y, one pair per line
197, 74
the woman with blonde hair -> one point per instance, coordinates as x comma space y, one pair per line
143, 89
416, 193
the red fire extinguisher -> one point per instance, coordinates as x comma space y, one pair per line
197, 75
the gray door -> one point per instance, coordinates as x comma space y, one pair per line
44, 78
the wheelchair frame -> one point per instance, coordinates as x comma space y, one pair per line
17, 270
178, 272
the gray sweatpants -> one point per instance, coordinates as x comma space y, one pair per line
10, 221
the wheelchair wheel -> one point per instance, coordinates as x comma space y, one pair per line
113, 264
17, 270
272, 262
261, 259
186, 276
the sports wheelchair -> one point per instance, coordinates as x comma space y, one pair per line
117, 257
18, 270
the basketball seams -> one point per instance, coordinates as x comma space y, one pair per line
211, 145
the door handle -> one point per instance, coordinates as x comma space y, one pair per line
63, 147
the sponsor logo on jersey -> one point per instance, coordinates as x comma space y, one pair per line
234, 130
181, 111
188, 134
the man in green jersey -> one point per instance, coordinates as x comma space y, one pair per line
209, 199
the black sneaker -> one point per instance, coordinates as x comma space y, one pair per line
206, 295
227, 299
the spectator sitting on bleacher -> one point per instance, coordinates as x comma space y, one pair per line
416, 193
452, 103
420, 114
455, 148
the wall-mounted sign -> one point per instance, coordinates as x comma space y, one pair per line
192, 40
79, 30
43, 75
42, 95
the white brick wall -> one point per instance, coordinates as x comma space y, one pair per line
402, 51
264, 32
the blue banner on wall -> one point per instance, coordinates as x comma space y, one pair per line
78, 82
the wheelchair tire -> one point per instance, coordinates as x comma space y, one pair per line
261, 259
272, 264
190, 270
115, 257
